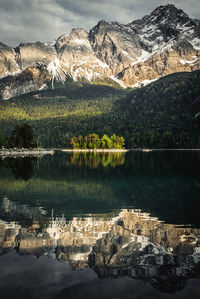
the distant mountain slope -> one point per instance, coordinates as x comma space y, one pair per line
164, 42
164, 114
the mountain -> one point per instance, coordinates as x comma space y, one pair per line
164, 42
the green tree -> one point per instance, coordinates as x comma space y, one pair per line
80, 141
106, 141
22, 136
73, 142
93, 140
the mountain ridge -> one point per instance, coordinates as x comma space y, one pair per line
163, 42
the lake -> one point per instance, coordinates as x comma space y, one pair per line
100, 225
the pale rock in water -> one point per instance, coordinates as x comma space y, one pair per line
135, 54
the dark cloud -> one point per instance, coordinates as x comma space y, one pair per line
44, 277
28, 20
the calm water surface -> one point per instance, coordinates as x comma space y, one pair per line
89, 225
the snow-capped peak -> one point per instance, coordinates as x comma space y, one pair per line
161, 43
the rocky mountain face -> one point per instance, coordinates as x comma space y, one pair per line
164, 42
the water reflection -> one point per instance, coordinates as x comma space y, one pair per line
22, 168
75, 214
165, 184
94, 159
131, 244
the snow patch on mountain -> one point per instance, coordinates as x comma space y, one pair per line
191, 62
143, 83
56, 70
144, 56
196, 43
81, 42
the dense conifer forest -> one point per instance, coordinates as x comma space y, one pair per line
164, 114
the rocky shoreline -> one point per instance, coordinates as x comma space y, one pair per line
25, 152
123, 150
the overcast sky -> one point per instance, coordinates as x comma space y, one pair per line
45, 20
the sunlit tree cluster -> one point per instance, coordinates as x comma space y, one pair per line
93, 141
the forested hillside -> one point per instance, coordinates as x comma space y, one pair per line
68, 110
165, 113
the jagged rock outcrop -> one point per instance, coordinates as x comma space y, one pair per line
33, 78
168, 62
77, 58
115, 44
164, 42
8, 62
30, 53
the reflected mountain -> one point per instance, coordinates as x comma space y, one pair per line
131, 244
126, 222
23, 214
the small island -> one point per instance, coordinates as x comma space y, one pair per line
93, 142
